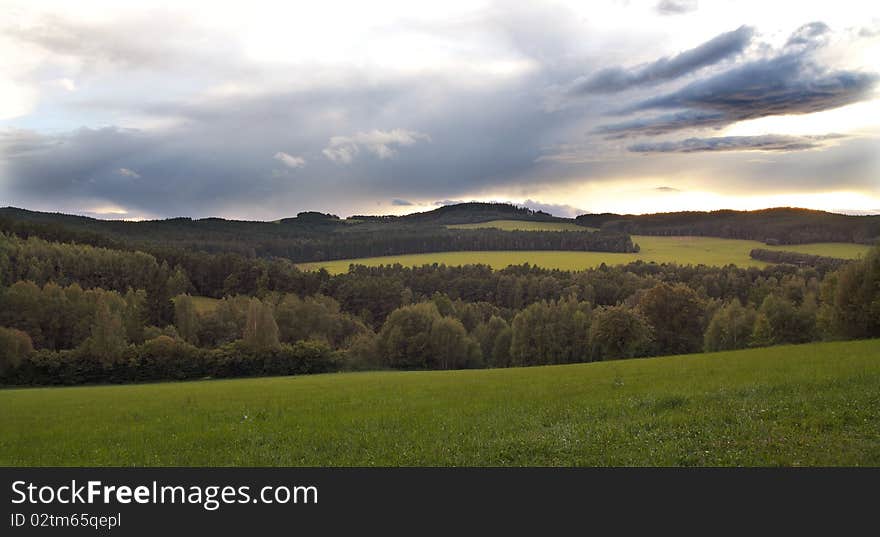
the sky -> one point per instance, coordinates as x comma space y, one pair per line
260, 110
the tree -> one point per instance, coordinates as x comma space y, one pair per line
678, 317
160, 309
404, 341
22, 309
107, 340
15, 346
500, 356
619, 332
178, 282
186, 320
363, 352
134, 315
730, 328
855, 298
261, 331
487, 335
549, 332
779, 321
449, 344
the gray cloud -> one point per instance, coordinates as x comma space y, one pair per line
788, 83
555, 209
676, 7
808, 35
289, 160
213, 153
667, 189
767, 142
397, 202
711, 52
344, 149
128, 173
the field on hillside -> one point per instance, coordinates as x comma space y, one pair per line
813, 404
523, 225
681, 250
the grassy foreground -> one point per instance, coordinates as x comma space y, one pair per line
681, 250
813, 404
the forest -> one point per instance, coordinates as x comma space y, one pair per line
783, 225
78, 307
312, 236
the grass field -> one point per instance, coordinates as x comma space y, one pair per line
524, 225
682, 250
813, 404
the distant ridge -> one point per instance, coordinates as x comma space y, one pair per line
471, 212
779, 225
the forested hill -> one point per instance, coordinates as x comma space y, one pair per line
468, 213
312, 236
783, 225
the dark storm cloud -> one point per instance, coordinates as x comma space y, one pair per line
214, 155
217, 159
788, 83
711, 52
767, 142
676, 7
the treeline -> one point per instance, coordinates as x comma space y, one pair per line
823, 263
306, 238
773, 226
54, 334
414, 240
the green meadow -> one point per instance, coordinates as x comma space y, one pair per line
681, 250
816, 404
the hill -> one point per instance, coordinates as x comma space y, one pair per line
312, 236
781, 225
816, 404
468, 213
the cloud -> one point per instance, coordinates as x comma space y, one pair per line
289, 160
128, 173
767, 142
808, 35
126, 42
220, 103
344, 149
668, 189
615, 79
676, 7
397, 202
788, 83
556, 209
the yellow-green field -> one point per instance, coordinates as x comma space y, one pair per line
798, 405
681, 250
523, 225
204, 304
